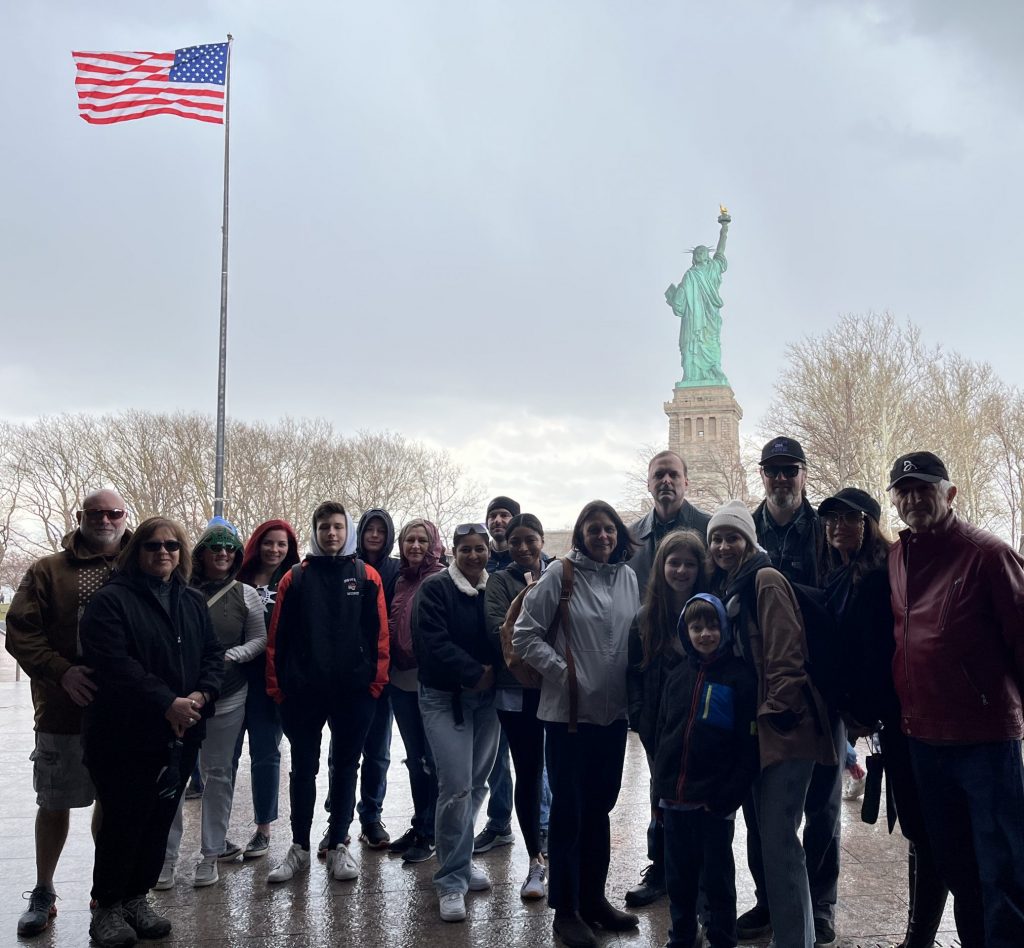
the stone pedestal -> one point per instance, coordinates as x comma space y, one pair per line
704, 429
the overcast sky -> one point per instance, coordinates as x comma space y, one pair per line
458, 220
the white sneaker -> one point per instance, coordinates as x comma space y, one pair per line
297, 860
206, 872
533, 887
166, 878
478, 881
453, 907
340, 863
852, 787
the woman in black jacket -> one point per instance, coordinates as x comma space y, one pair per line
456, 665
857, 587
157, 666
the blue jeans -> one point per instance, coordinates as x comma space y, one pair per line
698, 849
263, 724
779, 794
464, 754
972, 801
499, 783
419, 759
373, 777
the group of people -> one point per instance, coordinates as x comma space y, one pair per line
715, 636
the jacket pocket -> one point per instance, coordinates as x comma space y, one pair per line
949, 601
717, 706
982, 697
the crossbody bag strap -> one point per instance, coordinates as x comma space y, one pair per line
568, 576
220, 592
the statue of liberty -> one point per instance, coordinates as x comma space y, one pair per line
697, 304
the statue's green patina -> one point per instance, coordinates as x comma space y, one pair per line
697, 304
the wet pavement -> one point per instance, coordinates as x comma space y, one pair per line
391, 904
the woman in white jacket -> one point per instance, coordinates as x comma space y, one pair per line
585, 751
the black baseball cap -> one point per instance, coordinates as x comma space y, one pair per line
851, 498
922, 465
783, 448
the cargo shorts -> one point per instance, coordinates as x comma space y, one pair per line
59, 777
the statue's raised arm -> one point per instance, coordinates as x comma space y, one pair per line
725, 220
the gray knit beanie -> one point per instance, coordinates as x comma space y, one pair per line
736, 516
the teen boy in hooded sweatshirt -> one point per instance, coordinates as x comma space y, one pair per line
327, 662
705, 765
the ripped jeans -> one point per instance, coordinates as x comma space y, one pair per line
463, 755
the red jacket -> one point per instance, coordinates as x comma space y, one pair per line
958, 602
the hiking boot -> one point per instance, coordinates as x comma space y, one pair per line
754, 923
487, 839
420, 851
572, 931
296, 860
109, 929
341, 865
147, 923
258, 845
478, 881
206, 872
608, 917
374, 835
402, 844
166, 878
42, 907
230, 852
824, 934
533, 887
650, 889
453, 907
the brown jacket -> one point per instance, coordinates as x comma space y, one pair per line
42, 626
792, 720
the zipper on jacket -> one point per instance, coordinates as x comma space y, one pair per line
906, 621
947, 606
981, 694
694, 703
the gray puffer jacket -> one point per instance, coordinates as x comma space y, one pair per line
604, 601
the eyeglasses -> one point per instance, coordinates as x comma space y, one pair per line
219, 548
98, 513
788, 471
155, 546
464, 529
849, 517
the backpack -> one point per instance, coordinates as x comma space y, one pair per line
529, 677
824, 645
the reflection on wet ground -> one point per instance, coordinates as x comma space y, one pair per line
391, 904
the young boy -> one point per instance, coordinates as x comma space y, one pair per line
705, 764
327, 662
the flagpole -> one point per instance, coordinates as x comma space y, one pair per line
218, 481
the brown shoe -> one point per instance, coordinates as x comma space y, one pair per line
572, 931
608, 917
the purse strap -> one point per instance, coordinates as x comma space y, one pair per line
562, 620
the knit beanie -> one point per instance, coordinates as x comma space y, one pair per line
735, 516
503, 503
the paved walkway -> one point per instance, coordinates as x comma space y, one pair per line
390, 904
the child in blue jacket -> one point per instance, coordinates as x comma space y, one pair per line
705, 764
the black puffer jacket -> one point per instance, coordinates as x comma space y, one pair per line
143, 657
707, 734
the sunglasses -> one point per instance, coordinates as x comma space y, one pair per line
219, 548
464, 529
850, 517
98, 513
789, 471
155, 546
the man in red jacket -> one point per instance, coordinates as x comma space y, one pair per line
958, 602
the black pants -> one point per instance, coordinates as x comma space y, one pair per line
133, 832
585, 773
526, 742
698, 845
349, 715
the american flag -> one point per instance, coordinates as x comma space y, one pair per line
119, 87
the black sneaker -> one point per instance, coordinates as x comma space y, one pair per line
138, 913
374, 835
109, 929
400, 845
487, 839
650, 889
824, 934
420, 851
544, 843
230, 852
42, 907
193, 792
754, 923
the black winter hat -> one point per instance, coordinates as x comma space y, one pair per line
504, 503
